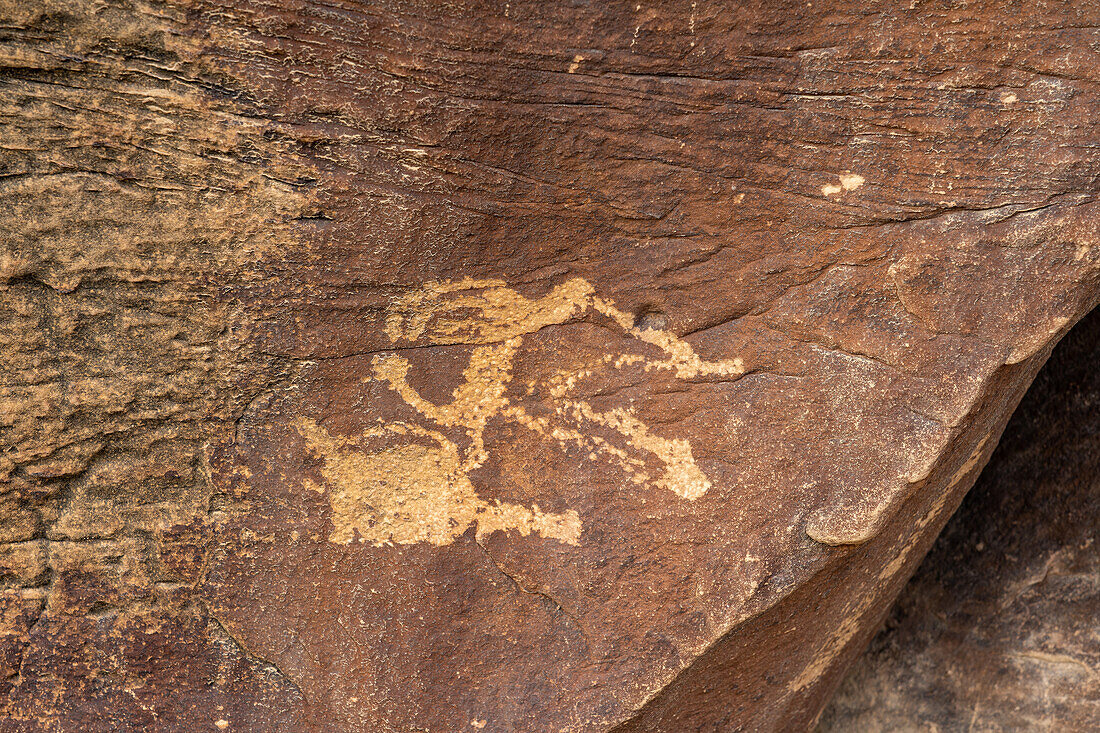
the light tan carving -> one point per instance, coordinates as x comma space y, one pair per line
417, 489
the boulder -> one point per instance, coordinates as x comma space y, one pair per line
509, 366
997, 630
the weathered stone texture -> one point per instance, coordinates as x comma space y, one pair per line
129, 198
998, 629
510, 366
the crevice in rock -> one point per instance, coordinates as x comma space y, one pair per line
554, 605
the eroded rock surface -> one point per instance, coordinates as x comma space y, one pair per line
998, 628
519, 366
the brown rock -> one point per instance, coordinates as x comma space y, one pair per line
997, 630
509, 367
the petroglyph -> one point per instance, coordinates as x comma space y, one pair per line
415, 490
481, 311
416, 486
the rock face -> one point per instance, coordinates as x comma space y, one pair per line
521, 366
998, 629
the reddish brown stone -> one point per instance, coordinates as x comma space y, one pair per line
522, 366
997, 630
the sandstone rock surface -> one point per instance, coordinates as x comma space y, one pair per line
509, 366
998, 628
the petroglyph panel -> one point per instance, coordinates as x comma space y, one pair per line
372, 371
414, 485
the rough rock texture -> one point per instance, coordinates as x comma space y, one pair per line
509, 366
130, 196
1000, 628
